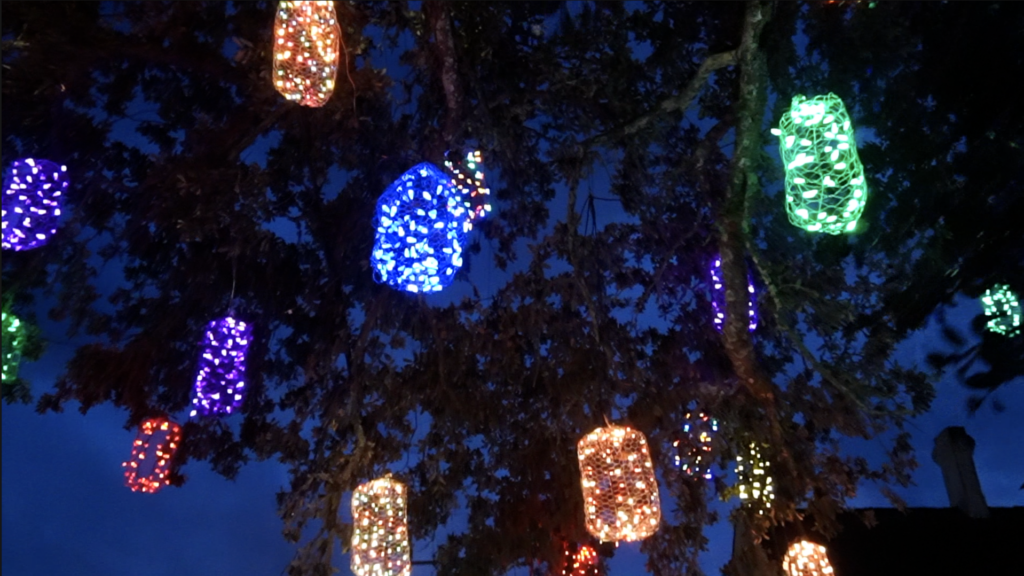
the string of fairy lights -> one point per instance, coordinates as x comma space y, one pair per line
422, 222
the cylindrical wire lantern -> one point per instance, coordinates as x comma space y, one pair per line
694, 451
1002, 308
806, 559
220, 379
13, 340
620, 492
718, 297
147, 468
32, 197
380, 532
753, 483
306, 37
825, 187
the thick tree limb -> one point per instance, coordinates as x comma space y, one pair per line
439, 23
675, 103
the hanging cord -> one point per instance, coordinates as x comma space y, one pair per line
234, 278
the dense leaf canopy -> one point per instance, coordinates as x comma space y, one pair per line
627, 146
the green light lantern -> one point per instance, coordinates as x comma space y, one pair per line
1002, 307
13, 339
825, 188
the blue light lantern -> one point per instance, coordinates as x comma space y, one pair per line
32, 198
421, 222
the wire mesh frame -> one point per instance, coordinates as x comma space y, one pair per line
306, 38
147, 468
620, 491
380, 532
806, 559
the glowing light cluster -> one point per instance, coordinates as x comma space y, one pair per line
471, 187
580, 560
1002, 307
306, 36
620, 492
32, 198
806, 559
421, 224
146, 469
718, 297
380, 534
825, 187
752, 480
13, 339
695, 449
220, 380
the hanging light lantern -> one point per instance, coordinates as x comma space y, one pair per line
220, 380
580, 560
825, 187
620, 492
753, 482
13, 340
694, 451
468, 177
806, 559
306, 36
1002, 307
718, 296
147, 467
32, 197
380, 534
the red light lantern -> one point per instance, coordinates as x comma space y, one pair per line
147, 468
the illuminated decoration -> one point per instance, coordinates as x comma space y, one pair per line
825, 187
469, 181
620, 493
1002, 307
146, 470
13, 340
580, 560
694, 449
306, 36
753, 483
32, 198
806, 559
718, 296
220, 380
380, 534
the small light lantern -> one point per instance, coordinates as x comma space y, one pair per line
147, 468
695, 449
580, 560
620, 492
806, 559
220, 380
13, 340
468, 177
306, 36
825, 187
32, 197
380, 533
718, 297
753, 482
1002, 307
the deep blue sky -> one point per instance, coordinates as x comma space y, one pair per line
66, 510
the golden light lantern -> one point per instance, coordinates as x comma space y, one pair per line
620, 492
380, 532
806, 559
753, 483
306, 37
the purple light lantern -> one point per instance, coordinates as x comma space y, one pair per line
718, 296
220, 380
32, 196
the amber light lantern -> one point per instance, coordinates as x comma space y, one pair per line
754, 483
580, 560
380, 532
806, 559
306, 36
620, 493
147, 468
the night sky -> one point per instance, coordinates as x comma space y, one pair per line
66, 509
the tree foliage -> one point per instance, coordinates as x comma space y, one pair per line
203, 189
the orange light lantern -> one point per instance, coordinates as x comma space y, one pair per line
806, 559
147, 467
580, 560
306, 36
380, 533
620, 492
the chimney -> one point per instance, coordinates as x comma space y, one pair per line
954, 453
